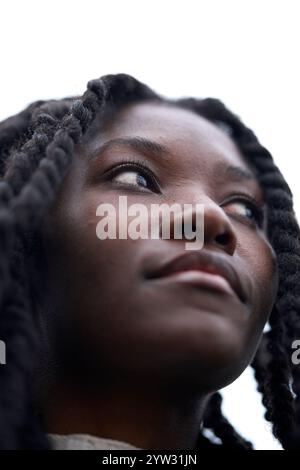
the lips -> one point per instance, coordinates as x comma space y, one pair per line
202, 261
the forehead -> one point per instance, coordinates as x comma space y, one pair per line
184, 132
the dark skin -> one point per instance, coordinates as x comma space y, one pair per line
145, 357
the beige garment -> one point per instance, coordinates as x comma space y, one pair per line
87, 442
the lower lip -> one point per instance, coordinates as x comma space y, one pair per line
202, 278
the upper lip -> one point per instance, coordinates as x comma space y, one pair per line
206, 262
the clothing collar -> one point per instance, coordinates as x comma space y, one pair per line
87, 442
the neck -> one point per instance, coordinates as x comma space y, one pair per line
146, 416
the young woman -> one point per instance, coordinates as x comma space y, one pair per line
124, 343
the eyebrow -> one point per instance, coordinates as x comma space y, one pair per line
235, 173
147, 146
141, 144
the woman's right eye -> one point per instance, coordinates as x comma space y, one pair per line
134, 175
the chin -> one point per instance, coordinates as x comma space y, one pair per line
209, 358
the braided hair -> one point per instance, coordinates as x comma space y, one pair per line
36, 151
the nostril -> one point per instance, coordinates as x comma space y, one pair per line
223, 238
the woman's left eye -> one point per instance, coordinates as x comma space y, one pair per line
248, 210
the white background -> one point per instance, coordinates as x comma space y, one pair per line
244, 52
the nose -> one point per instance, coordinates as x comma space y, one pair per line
218, 231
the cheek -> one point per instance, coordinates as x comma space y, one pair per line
90, 280
96, 270
260, 261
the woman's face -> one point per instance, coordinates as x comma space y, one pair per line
102, 301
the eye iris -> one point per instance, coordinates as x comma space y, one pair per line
250, 212
141, 179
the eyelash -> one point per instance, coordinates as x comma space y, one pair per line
127, 163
